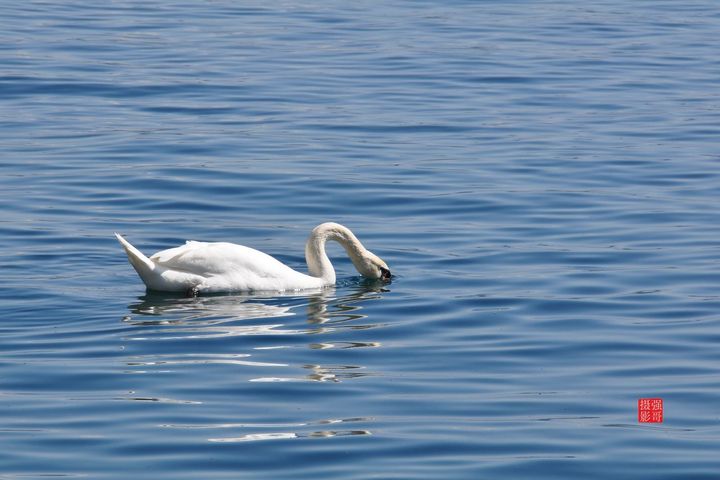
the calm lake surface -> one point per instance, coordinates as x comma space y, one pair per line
543, 178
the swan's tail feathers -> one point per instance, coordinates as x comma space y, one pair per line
142, 265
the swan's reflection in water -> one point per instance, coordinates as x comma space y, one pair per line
189, 310
157, 317
213, 342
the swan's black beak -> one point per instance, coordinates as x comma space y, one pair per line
385, 274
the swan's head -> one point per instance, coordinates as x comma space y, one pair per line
372, 266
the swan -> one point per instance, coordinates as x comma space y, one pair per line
226, 267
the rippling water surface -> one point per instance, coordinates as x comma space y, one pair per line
542, 177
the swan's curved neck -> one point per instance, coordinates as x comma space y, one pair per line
317, 260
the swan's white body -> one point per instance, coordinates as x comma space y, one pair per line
227, 267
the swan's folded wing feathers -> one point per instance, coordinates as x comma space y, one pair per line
169, 255
208, 259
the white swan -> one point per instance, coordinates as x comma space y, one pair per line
226, 267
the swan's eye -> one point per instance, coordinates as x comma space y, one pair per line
385, 274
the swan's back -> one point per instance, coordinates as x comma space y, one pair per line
205, 258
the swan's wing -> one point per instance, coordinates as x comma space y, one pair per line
220, 258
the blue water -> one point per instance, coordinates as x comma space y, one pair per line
543, 178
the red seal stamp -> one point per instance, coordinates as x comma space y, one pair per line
650, 410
